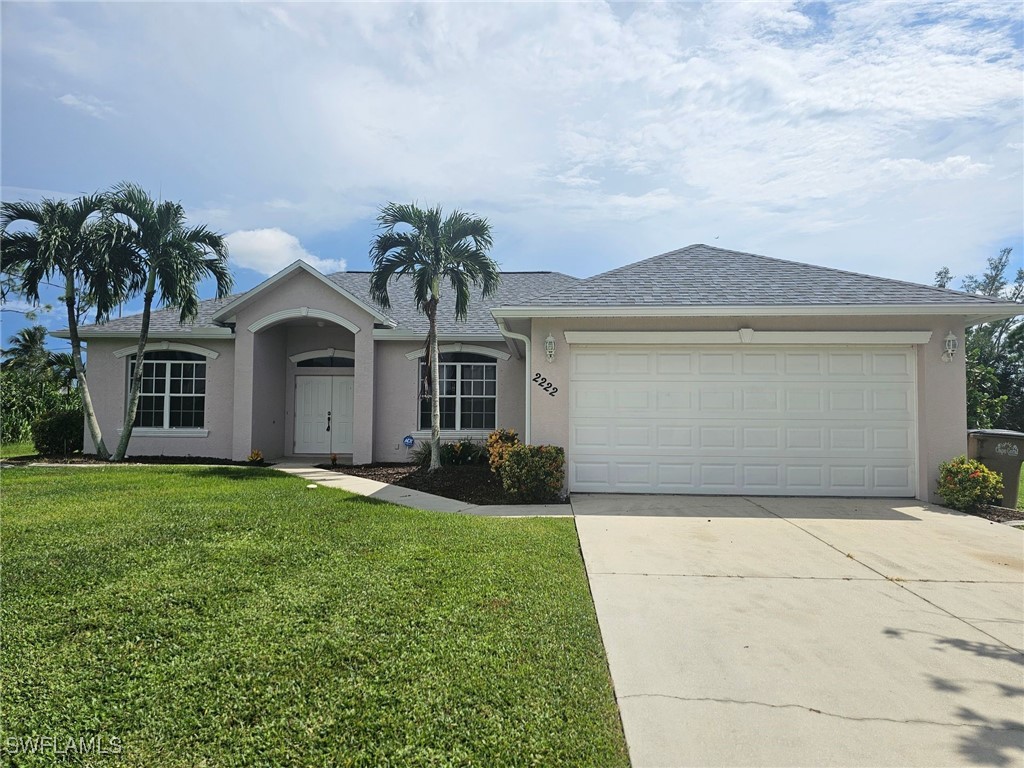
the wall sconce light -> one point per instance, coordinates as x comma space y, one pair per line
951, 346
549, 348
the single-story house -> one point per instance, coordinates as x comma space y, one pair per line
701, 371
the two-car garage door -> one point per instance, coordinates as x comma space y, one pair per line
836, 421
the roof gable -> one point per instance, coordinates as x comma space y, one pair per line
515, 288
298, 266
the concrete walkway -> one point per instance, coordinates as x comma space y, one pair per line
409, 498
808, 632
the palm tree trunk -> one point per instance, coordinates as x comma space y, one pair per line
435, 392
76, 354
133, 398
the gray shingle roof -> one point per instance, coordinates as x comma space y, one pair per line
163, 320
515, 288
698, 275
701, 275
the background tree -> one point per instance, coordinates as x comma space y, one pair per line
166, 255
27, 350
432, 251
994, 352
30, 385
72, 243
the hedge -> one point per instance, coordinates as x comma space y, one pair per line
58, 432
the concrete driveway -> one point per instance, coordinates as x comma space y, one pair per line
808, 632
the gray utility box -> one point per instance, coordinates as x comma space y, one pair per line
1002, 451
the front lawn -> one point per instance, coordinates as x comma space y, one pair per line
26, 448
230, 616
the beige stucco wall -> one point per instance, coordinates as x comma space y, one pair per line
108, 379
397, 406
268, 385
942, 415
264, 390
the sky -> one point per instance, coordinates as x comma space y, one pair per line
878, 137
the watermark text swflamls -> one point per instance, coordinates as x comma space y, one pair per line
63, 745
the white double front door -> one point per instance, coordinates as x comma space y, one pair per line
323, 414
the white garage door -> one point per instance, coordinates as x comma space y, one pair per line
771, 421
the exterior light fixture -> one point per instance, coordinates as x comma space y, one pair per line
549, 348
951, 346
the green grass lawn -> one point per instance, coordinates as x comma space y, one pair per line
7, 450
1020, 490
230, 616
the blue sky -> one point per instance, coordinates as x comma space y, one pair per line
885, 138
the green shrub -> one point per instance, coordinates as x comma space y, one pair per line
452, 454
498, 443
533, 474
58, 432
461, 453
966, 484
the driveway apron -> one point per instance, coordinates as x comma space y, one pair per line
808, 632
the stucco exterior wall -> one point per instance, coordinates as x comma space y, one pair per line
253, 403
108, 381
268, 388
941, 387
397, 406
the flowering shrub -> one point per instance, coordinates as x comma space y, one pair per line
498, 443
966, 484
533, 473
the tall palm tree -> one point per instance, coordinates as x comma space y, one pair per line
432, 251
170, 256
71, 242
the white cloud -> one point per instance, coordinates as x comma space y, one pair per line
806, 130
269, 250
958, 167
90, 105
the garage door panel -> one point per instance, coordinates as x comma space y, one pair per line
808, 421
793, 477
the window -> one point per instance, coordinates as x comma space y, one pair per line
467, 384
173, 394
326, 362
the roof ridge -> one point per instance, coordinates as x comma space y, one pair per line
774, 259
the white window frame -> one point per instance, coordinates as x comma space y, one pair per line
167, 430
458, 396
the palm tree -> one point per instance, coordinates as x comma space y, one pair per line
61, 366
71, 242
27, 351
170, 256
432, 251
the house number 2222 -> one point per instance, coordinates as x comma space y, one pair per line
544, 384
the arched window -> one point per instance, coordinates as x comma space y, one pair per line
173, 394
467, 383
326, 362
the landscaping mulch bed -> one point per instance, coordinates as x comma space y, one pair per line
91, 458
999, 514
473, 484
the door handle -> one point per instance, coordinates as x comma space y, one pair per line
328, 421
